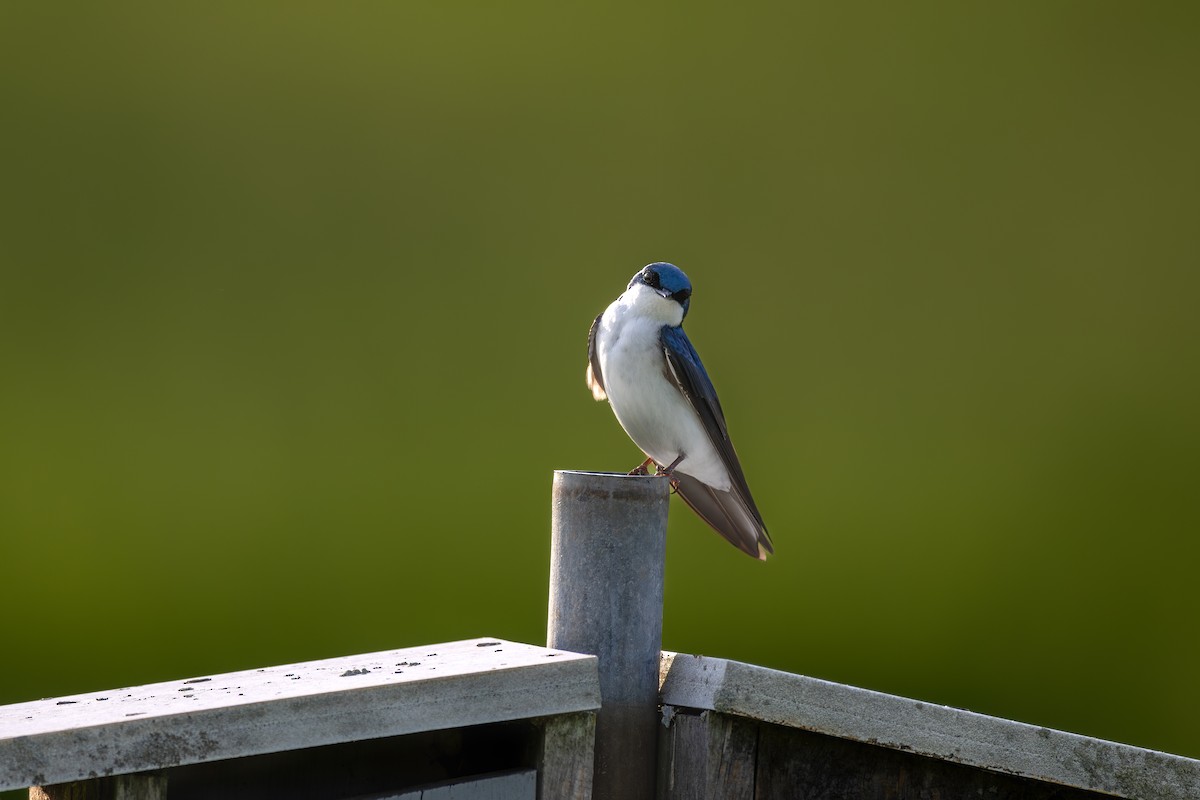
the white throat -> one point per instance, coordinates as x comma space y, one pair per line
645, 303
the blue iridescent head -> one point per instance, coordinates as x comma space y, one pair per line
667, 280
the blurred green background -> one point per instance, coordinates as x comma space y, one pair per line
294, 301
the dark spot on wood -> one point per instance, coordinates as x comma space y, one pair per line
198, 680
352, 672
66, 702
487, 644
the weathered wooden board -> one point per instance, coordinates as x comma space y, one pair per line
289, 707
796, 763
520, 785
707, 756
711, 756
941, 732
566, 757
391, 764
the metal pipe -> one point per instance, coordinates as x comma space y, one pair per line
608, 547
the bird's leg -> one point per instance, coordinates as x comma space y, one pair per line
668, 472
643, 468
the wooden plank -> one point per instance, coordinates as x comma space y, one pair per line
682, 756
949, 734
354, 769
707, 756
520, 785
795, 763
732, 755
566, 757
432, 687
139, 787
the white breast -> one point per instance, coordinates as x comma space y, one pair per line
649, 406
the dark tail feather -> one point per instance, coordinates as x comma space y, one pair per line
727, 514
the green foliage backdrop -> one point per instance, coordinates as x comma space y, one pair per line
294, 299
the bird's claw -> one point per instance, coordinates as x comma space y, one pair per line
659, 471
643, 468
668, 472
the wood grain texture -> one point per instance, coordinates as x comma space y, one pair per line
139, 787
710, 756
566, 757
386, 766
520, 785
276, 709
794, 763
707, 756
941, 732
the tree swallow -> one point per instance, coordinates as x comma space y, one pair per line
641, 361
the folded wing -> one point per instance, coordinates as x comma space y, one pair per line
733, 513
595, 381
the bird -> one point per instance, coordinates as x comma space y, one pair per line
644, 365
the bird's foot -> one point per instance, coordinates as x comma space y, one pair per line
643, 468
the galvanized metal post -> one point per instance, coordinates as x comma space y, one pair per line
608, 547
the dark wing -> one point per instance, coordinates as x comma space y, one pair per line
595, 381
732, 514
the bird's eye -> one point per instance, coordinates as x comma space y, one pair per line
651, 278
